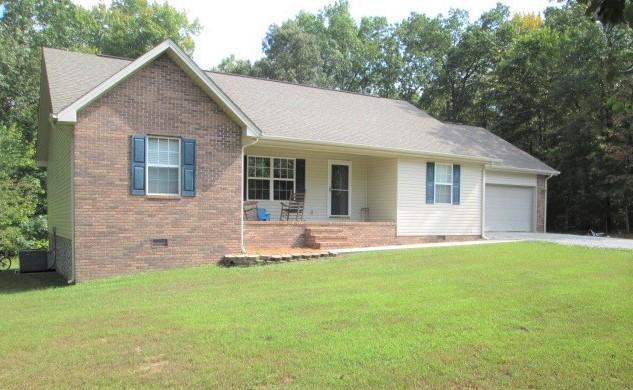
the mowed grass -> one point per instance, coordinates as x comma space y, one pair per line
489, 316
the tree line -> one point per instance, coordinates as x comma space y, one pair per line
558, 86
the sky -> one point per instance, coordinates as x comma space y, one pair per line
238, 26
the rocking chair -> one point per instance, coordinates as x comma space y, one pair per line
294, 206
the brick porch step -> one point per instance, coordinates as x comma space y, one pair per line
319, 237
328, 245
324, 229
327, 236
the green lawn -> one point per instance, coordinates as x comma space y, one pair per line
489, 316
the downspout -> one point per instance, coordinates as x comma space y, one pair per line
243, 199
483, 202
72, 207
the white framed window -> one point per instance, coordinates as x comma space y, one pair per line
270, 178
163, 165
443, 183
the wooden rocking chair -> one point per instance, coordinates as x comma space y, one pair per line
250, 211
294, 206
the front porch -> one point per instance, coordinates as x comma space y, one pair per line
351, 200
339, 186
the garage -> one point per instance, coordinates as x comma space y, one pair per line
509, 208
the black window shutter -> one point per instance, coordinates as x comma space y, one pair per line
430, 183
245, 177
456, 181
188, 167
137, 162
300, 166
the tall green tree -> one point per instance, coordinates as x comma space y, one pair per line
129, 28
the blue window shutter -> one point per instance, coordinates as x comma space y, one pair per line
430, 183
137, 161
456, 180
300, 177
188, 167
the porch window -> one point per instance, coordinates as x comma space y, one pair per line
270, 178
163, 166
443, 183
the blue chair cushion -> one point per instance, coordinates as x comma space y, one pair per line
262, 215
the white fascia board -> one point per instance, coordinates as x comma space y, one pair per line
69, 114
501, 168
379, 149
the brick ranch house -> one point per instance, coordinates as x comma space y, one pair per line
150, 160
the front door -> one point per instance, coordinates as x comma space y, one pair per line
340, 188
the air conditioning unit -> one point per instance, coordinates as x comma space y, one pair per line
33, 261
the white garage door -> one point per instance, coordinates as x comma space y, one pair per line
508, 208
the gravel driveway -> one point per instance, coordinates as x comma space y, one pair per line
565, 239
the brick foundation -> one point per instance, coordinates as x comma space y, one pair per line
113, 229
360, 234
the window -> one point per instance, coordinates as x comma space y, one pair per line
443, 183
270, 178
163, 166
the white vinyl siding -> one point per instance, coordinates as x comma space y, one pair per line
415, 217
510, 178
58, 183
316, 181
382, 187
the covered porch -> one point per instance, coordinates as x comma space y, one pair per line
339, 186
350, 198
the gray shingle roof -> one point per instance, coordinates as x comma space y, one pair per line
71, 75
297, 112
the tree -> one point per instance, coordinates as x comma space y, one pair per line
610, 12
231, 64
20, 192
292, 54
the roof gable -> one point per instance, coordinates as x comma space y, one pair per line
76, 95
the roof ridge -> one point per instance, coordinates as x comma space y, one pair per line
304, 85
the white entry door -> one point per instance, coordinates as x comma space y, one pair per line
509, 208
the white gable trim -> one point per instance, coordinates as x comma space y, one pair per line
503, 168
69, 114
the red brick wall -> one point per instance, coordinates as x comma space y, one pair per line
357, 234
113, 229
